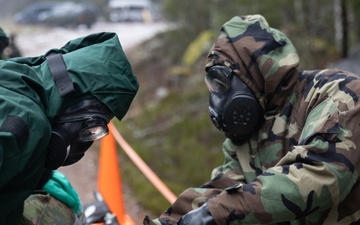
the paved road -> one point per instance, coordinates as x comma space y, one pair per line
34, 41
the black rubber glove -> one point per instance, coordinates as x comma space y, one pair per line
199, 216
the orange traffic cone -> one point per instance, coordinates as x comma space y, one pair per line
109, 180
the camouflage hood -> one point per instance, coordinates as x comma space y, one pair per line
263, 57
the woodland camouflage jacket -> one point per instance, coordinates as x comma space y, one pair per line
302, 166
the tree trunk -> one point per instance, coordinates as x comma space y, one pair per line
341, 26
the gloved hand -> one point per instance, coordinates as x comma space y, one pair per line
199, 216
60, 188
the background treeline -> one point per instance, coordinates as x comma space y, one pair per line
321, 28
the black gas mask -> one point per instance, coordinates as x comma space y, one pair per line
233, 107
75, 131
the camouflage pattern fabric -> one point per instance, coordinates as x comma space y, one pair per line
302, 166
43, 209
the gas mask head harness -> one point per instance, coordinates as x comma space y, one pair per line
233, 107
75, 131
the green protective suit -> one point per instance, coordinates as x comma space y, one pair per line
30, 101
301, 167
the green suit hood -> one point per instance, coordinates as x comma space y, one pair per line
97, 66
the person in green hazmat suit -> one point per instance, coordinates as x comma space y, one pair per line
53, 107
292, 137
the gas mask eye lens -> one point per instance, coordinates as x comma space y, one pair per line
217, 85
218, 79
94, 130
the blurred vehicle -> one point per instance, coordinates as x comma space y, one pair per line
57, 14
130, 11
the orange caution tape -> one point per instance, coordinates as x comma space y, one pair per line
143, 167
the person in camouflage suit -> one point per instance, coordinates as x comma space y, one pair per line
301, 164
